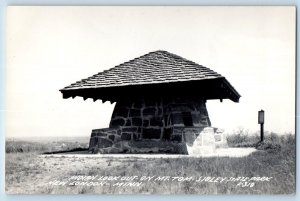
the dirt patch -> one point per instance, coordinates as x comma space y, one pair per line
220, 152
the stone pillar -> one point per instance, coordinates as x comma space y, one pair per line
156, 124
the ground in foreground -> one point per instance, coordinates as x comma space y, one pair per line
262, 172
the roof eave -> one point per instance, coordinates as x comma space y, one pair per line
113, 93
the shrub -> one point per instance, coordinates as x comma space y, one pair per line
242, 138
272, 141
268, 146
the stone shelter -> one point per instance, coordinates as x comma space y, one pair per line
160, 105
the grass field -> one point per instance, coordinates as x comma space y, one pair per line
28, 172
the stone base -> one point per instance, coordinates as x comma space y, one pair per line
189, 140
202, 144
145, 147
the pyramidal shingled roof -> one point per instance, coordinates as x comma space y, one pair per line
153, 73
154, 67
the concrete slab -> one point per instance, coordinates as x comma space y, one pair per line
220, 152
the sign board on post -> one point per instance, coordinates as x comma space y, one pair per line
261, 117
261, 121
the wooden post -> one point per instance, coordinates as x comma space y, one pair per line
261, 121
261, 132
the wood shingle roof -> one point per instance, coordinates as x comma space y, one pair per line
158, 67
154, 67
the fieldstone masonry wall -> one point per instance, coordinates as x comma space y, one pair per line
152, 124
154, 118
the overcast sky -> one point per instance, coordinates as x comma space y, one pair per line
49, 48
